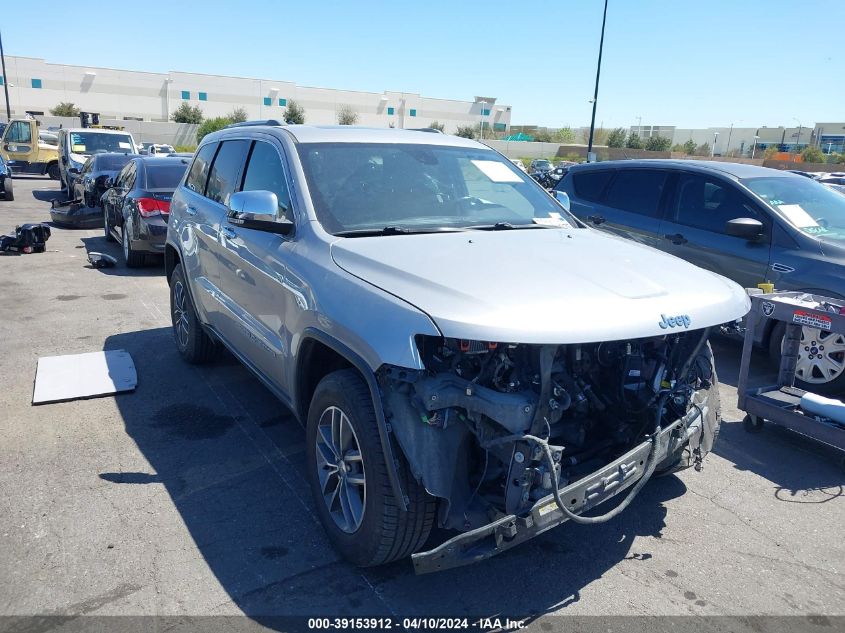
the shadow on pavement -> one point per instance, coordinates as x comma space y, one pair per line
232, 459
153, 265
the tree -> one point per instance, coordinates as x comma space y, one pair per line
346, 115
565, 135
436, 125
238, 115
186, 113
65, 108
770, 151
465, 131
657, 144
634, 141
294, 113
543, 136
702, 150
689, 147
616, 138
813, 154
211, 125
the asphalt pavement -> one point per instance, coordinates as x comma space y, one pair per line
188, 496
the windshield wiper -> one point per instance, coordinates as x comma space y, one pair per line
505, 226
396, 230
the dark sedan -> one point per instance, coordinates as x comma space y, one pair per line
136, 208
92, 181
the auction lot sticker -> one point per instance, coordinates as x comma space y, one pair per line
812, 320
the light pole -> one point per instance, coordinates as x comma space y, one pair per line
754, 148
481, 124
798, 139
640, 126
829, 145
596, 93
5, 82
728, 146
713, 151
167, 83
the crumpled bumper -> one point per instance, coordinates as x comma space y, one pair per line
77, 216
582, 495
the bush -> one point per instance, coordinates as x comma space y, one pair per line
65, 108
703, 150
616, 138
238, 115
543, 136
565, 135
465, 131
185, 148
294, 113
346, 115
657, 144
770, 151
436, 125
689, 147
186, 113
634, 141
211, 125
813, 154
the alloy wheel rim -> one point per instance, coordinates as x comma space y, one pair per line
821, 356
340, 470
180, 318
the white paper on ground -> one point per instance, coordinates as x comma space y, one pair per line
74, 376
796, 215
496, 171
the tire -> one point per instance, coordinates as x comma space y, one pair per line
53, 171
194, 345
380, 532
8, 192
815, 379
106, 228
133, 259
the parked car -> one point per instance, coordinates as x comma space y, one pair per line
137, 205
748, 223
156, 148
93, 179
463, 351
540, 165
6, 188
77, 144
520, 165
833, 180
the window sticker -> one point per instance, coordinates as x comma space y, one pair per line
123, 145
554, 219
77, 149
796, 215
496, 171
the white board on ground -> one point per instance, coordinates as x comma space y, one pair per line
91, 375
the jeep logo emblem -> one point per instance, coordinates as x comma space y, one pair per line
674, 321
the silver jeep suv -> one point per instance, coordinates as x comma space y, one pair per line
462, 351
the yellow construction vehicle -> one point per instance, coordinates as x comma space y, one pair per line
25, 152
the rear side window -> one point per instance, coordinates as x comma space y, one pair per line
265, 173
198, 175
637, 191
590, 185
164, 176
223, 177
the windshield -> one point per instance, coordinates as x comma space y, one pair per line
98, 143
165, 176
542, 164
807, 205
360, 186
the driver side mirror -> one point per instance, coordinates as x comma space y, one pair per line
563, 198
746, 228
258, 210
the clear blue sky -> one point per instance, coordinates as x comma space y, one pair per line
689, 63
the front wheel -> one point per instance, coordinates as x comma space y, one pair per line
53, 171
8, 193
194, 345
347, 473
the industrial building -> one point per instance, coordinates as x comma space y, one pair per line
36, 86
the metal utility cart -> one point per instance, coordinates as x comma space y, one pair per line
781, 403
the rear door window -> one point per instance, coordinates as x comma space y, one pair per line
226, 170
198, 175
637, 191
590, 185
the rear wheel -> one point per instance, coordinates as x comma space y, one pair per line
133, 258
194, 345
8, 192
347, 472
53, 171
106, 226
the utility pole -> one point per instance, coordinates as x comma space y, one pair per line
596, 93
5, 81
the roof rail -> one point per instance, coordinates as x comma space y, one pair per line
251, 123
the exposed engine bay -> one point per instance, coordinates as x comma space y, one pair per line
491, 428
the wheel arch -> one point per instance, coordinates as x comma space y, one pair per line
318, 355
171, 258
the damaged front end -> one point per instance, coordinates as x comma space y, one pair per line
514, 439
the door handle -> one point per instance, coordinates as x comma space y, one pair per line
228, 233
191, 210
677, 238
596, 219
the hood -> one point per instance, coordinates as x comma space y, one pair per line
542, 285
